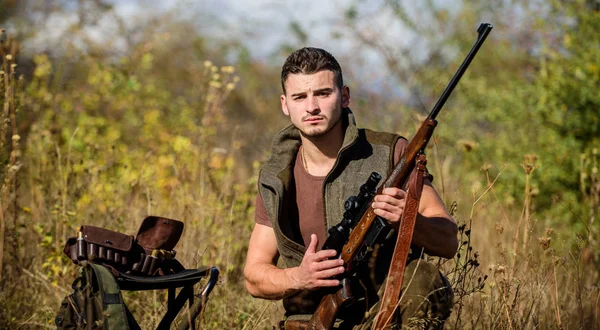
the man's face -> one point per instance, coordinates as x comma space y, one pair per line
314, 102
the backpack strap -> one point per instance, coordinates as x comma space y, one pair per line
117, 316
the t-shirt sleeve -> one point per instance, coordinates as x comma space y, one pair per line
260, 213
400, 149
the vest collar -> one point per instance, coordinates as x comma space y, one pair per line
286, 143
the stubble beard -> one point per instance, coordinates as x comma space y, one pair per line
316, 132
313, 132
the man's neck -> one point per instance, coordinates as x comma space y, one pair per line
320, 152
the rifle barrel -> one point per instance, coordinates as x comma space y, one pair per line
483, 30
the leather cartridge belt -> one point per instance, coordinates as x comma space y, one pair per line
150, 262
148, 254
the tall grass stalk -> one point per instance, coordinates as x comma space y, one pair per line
9, 89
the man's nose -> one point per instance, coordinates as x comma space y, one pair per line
312, 104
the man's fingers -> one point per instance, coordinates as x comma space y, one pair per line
324, 254
389, 216
330, 272
328, 264
388, 206
312, 247
394, 192
384, 214
394, 200
327, 283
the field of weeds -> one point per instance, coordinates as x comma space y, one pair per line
86, 138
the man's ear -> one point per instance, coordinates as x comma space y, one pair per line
284, 105
345, 97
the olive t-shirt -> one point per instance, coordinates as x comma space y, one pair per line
309, 200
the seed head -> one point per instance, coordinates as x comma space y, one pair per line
215, 84
544, 242
499, 269
534, 191
228, 69
499, 228
468, 145
529, 163
14, 168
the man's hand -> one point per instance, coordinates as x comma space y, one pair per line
435, 230
390, 204
316, 269
265, 280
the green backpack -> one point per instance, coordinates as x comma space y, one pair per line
96, 303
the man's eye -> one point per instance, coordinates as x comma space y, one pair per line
299, 97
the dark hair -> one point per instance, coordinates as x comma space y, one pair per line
309, 60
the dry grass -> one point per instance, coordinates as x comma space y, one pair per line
83, 166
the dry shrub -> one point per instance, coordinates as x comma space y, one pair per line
107, 149
540, 283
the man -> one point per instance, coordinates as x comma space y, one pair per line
315, 165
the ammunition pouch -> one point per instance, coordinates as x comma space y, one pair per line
150, 253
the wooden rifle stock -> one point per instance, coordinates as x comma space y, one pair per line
293, 325
326, 312
325, 315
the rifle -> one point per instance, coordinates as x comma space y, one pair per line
360, 228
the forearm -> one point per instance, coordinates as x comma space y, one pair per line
437, 235
267, 281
